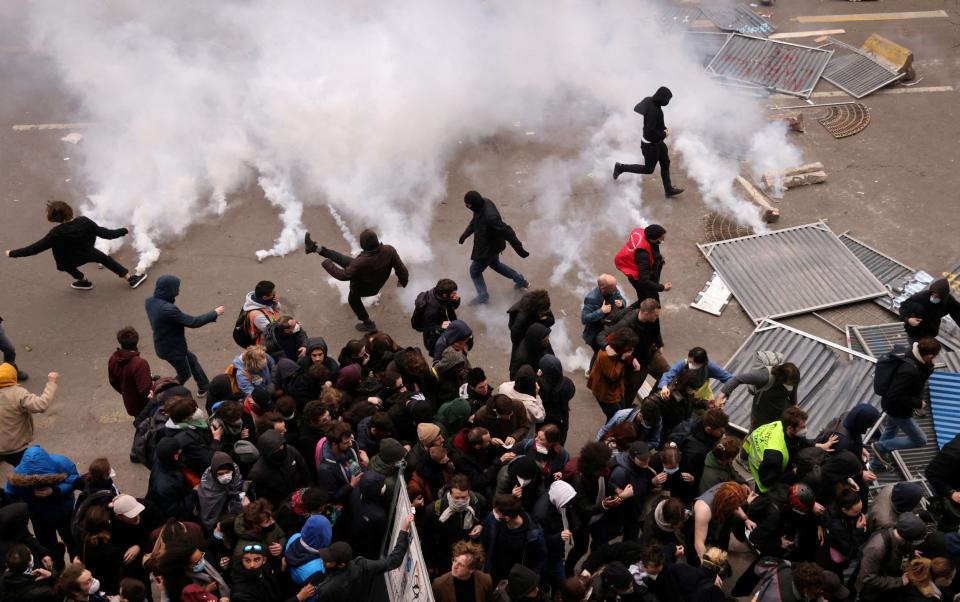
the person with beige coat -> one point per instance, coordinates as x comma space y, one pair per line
16, 408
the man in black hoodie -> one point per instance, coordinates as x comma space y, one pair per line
280, 469
72, 241
490, 238
653, 145
366, 273
922, 312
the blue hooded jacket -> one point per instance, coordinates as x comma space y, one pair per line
38, 468
457, 331
304, 564
168, 322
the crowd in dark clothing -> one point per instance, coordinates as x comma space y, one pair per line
276, 480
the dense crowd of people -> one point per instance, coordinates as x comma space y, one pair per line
275, 479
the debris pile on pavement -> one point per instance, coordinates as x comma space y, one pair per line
804, 175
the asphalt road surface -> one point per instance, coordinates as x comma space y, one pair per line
893, 185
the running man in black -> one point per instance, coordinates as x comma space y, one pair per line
653, 145
72, 241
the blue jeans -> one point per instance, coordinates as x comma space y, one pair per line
477, 266
912, 435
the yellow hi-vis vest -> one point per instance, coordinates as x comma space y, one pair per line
764, 437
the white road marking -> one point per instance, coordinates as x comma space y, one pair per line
51, 126
838, 93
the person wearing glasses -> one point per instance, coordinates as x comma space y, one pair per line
254, 580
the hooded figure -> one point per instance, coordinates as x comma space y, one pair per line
366, 273
451, 371
522, 471
653, 144
556, 391
535, 345
850, 428
490, 238
318, 343
368, 517
303, 550
168, 487
524, 389
555, 514
217, 498
17, 406
280, 469
13, 531
256, 585
923, 311
458, 330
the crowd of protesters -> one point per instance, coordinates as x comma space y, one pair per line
275, 479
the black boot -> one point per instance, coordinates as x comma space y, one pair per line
309, 245
617, 170
673, 191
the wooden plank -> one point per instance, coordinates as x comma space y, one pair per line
920, 14
805, 34
770, 213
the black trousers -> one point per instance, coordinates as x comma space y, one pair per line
97, 256
653, 153
354, 300
13, 459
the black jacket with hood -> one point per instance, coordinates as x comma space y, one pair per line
435, 313
906, 389
369, 271
490, 233
556, 391
274, 478
13, 531
168, 488
920, 306
168, 322
531, 349
651, 107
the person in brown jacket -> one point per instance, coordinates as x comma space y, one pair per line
506, 419
366, 273
608, 375
464, 576
16, 406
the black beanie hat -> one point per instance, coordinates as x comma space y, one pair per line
524, 467
521, 581
617, 575
905, 496
654, 231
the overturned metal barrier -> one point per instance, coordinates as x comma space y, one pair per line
739, 19
779, 66
857, 73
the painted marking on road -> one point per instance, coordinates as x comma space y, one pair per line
51, 126
838, 93
805, 34
920, 14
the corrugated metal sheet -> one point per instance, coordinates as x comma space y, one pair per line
833, 378
945, 405
856, 72
879, 340
791, 271
889, 271
706, 45
780, 66
678, 16
949, 334
739, 19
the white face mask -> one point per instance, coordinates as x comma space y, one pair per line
788, 388
224, 479
296, 329
94, 586
29, 570
524, 482
459, 505
692, 366
113, 473
542, 449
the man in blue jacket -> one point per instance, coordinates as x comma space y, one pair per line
598, 306
168, 322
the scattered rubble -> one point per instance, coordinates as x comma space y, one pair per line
811, 173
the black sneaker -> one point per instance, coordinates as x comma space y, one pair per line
136, 280
82, 285
309, 245
617, 170
521, 285
366, 326
673, 191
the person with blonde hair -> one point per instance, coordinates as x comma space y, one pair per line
923, 579
252, 369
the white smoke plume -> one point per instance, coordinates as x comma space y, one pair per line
361, 106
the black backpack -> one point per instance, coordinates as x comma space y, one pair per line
885, 369
419, 309
241, 334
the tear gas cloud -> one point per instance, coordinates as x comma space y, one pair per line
361, 106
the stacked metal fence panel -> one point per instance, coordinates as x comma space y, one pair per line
780, 66
833, 378
791, 271
739, 19
945, 405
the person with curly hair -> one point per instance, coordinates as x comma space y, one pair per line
465, 577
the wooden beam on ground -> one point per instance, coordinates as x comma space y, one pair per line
770, 213
787, 35
919, 14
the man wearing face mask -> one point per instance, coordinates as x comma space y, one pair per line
286, 339
771, 446
510, 536
198, 440
697, 361
25, 580
922, 312
904, 395
546, 450
774, 388
653, 145
280, 468
455, 516
523, 479
220, 490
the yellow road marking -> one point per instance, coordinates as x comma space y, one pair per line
920, 14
